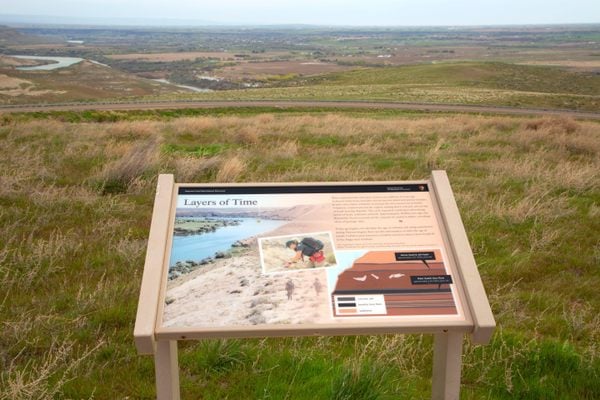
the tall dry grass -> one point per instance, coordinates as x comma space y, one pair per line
75, 204
44, 377
231, 169
125, 173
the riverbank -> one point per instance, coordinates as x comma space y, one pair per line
197, 239
185, 267
189, 226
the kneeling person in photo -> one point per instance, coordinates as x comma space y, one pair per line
307, 247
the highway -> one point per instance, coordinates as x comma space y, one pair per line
285, 104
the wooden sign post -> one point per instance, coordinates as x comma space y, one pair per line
305, 259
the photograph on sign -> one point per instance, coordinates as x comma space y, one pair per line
308, 250
243, 256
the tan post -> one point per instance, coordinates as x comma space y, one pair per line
167, 370
447, 362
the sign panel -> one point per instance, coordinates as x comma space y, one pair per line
241, 256
258, 260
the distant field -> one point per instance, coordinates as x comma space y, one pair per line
75, 205
167, 57
190, 55
553, 66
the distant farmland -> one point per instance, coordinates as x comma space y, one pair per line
531, 66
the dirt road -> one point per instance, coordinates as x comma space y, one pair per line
284, 104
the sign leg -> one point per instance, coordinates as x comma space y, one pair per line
447, 360
167, 370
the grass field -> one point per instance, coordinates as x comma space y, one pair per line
478, 83
76, 194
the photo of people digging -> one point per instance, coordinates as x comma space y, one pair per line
297, 252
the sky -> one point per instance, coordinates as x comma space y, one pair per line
318, 12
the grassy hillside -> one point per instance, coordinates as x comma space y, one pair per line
84, 81
75, 206
457, 83
474, 74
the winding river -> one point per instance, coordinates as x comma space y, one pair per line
55, 62
63, 62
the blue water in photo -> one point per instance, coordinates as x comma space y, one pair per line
197, 247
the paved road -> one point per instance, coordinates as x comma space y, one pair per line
165, 105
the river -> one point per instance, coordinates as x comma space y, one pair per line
63, 62
55, 62
197, 247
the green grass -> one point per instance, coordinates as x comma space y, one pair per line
71, 251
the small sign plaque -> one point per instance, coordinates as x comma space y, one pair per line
410, 256
430, 279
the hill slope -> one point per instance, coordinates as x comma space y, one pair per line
457, 83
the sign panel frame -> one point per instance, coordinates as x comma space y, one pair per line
475, 316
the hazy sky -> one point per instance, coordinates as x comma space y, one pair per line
328, 12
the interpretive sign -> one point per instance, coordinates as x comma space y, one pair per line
247, 260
